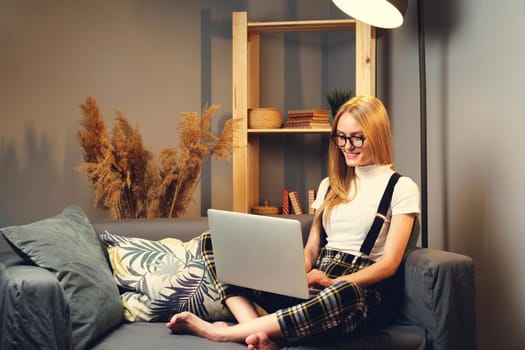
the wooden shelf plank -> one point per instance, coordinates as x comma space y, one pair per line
302, 26
289, 131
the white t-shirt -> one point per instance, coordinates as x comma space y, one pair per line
349, 223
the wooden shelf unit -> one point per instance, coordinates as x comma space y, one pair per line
246, 82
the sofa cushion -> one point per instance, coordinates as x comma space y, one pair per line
68, 246
160, 278
142, 335
147, 335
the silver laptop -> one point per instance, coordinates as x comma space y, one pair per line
259, 252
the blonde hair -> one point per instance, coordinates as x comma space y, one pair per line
372, 116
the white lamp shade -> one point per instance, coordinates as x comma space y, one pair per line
378, 13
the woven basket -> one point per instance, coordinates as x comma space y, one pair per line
264, 118
265, 209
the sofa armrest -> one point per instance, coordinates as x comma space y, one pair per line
33, 309
440, 297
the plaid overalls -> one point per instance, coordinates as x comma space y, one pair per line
342, 308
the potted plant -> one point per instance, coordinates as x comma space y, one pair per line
337, 97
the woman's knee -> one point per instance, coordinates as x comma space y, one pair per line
350, 297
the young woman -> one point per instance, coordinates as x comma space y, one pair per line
359, 168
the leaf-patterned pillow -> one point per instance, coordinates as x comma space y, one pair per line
161, 278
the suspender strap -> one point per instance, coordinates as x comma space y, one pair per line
380, 218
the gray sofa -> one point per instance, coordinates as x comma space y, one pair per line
437, 308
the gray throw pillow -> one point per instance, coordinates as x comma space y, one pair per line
68, 246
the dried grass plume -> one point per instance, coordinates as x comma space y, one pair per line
129, 181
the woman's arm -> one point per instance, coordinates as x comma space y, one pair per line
313, 244
395, 245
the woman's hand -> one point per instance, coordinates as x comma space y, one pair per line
316, 278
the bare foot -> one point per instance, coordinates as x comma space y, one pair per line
260, 341
188, 322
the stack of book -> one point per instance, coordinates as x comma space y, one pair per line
317, 118
291, 204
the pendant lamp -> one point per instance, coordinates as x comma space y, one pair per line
378, 13
389, 14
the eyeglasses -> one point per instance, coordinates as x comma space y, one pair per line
355, 141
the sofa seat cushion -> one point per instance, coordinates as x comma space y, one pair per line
143, 335
154, 335
68, 246
406, 337
164, 277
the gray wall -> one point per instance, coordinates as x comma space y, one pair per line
154, 59
476, 110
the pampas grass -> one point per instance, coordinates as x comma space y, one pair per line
126, 177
